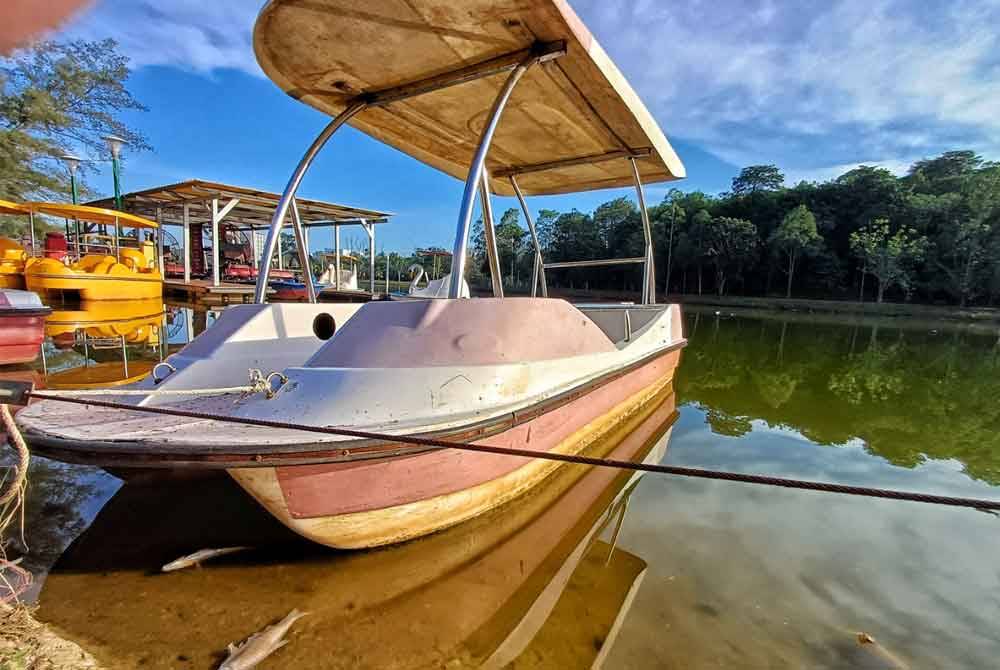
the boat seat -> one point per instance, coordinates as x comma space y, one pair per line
133, 259
621, 322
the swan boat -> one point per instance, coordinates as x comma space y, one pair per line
513, 98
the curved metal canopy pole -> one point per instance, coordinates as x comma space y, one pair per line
539, 268
490, 233
303, 247
461, 248
648, 273
274, 232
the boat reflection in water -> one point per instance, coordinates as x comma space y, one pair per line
535, 582
120, 341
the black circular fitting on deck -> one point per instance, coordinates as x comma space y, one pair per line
324, 326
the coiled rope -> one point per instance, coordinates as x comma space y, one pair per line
891, 494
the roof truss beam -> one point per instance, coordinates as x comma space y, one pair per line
543, 51
569, 162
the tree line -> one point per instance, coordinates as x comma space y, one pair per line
932, 236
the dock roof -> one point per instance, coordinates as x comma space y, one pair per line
253, 209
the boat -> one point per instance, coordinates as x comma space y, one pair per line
518, 574
433, 288
22, 322
534, 373
102, 332
108, 266
327, 285
12, 254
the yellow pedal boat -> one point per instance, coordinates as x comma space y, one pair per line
114, 272
12, 254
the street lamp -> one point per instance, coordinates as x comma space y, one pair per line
116, 143
73, 163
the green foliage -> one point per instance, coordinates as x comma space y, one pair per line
59, 98
796, 234
889, 256
946, 213
731, 246
758, 178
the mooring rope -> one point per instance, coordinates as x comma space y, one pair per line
975, 503
16, 487
258, 383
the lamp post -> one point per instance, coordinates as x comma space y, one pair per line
73, 163
116, 143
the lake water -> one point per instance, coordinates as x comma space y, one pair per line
599, 567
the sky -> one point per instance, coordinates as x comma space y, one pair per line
816, 88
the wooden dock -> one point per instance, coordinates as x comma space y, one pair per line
203, 290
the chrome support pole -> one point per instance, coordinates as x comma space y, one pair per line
538, 271
118, 248
649, 274
124, 356
274, 232
461, 247
490, 233
303, 245
31, 225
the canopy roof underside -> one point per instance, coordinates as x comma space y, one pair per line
576, 110
255, 208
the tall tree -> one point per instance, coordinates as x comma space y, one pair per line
887, 255
544, 227
796, 234
510, 239
732, 246
757, 178
60, 98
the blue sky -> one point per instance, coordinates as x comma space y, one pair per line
815, 87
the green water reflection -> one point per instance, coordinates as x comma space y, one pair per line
910, 394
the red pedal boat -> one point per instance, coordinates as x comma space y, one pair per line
22, 326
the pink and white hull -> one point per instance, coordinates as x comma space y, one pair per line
528, 373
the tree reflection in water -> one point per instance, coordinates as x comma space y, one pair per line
910, 394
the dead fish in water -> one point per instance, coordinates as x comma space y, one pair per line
260, 645
874, 655
197, 557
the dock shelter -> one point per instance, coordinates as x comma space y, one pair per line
196, 204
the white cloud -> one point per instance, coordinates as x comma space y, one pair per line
810, 84
198, 35
807, 84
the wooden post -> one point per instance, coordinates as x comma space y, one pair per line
215, 242
186, 234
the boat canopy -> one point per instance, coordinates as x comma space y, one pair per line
568, 126
92, 214
8, 207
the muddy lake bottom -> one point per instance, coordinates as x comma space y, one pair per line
598, 567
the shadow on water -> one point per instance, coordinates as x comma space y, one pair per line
702, 574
